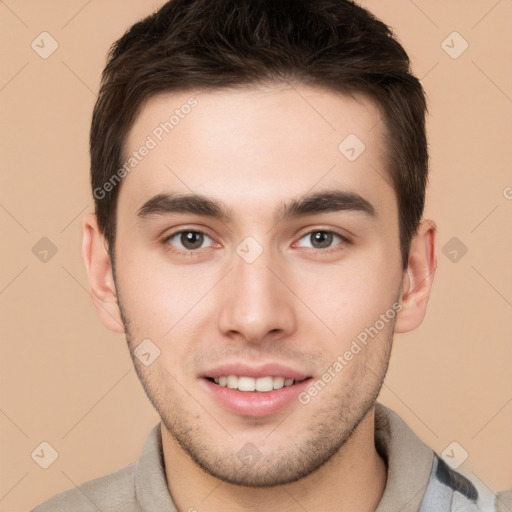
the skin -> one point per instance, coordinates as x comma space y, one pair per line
254, 150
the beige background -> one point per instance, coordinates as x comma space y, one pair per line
67, 381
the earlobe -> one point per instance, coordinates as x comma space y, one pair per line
100, 275
418, 278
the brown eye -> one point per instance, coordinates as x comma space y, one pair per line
321, 239
189, 240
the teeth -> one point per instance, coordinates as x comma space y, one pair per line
279, 382
246, 383
263, 384
232, 382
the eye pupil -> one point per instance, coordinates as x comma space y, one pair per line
192, 239
321, 239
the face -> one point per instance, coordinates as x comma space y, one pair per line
255, 251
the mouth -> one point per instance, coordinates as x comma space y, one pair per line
246, 384
254, 392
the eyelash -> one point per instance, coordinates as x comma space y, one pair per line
192, 252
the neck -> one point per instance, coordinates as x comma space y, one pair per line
353, 479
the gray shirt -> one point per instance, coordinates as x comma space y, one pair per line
418, 479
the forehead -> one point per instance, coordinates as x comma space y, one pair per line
251, 145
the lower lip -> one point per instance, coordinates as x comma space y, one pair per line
255, 404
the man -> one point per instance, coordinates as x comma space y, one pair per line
259, 172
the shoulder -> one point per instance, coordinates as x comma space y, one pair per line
412, 465
113, 492
457, 489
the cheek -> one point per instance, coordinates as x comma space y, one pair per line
160, 298
149, 296
351, 294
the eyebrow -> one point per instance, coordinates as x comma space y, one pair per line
309, 204
325, 202
163, 204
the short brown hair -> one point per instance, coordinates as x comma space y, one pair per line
214, 44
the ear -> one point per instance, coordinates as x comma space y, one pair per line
100, 275
418, 277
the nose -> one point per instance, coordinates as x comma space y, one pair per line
256, 305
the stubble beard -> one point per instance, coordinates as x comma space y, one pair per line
328, 431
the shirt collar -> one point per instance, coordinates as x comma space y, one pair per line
408, 459
151, 488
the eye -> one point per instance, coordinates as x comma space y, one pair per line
189, 240
320, 239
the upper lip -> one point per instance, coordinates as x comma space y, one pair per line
255, 371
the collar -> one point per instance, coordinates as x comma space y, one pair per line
408, 459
